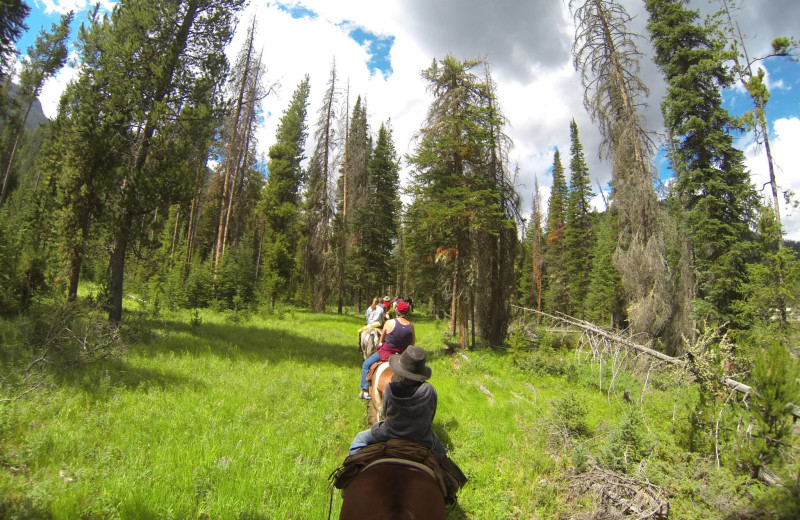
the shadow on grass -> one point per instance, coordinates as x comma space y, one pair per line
23, 509
318, 339
95, 378
455, 512
256, 343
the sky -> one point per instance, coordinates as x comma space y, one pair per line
381, 47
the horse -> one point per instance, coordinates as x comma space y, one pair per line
381, 377
393, 489
369, 341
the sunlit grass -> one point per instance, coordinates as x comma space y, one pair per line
245, 416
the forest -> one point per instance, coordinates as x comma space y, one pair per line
147, 192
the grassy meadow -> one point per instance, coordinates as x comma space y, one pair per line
221, 415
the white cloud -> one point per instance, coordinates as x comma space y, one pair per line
65, 6
786, 156
54, 87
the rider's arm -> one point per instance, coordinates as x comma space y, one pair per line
413, 335
386, 329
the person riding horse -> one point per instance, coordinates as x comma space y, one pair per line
409, 404
399, 468
396, 336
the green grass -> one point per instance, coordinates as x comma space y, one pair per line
245, 417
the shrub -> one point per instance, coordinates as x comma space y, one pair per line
200, 284
570, 413
580, 459
627, 445
775, 381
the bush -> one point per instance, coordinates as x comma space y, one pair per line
545, 361
570, 413
200, 284
775, 381
62, 334
627, 445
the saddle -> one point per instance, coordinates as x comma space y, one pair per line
372, 369
446, 472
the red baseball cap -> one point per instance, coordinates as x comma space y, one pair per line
402, 306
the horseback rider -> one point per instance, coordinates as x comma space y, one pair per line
409, 403
396, 336
386, 305
375, 313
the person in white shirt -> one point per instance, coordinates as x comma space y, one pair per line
375, 313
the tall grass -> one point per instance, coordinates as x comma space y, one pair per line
245, 416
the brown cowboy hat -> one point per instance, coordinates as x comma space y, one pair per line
411, 364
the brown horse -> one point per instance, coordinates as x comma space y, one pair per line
393, 489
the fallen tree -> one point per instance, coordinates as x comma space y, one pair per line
790, 408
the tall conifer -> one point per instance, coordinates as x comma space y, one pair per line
557, 295
578, 240
281, 196
719, 202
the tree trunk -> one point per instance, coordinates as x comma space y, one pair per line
223, 210
453, 305
117, 265
11, 154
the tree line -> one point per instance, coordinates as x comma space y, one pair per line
148, 182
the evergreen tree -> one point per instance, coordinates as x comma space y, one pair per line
318, 208
753, 82
238, 144
352, 195
717, 198
149, 67
604, 295
456, 185
578, 240
281, 197
497, 235
12, 25
773, 282
555, 268
377, 222
530, 287
47, 55
606, 54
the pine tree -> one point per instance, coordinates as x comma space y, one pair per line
753, 82
377, 222
718, 201
773, 282
12, 25
604, 295
497, 235
578, 239
148, 66
456, 185
352, 195
239, 143
47, 55
281, 197
606, 54
530, 286
318, 209
557, 295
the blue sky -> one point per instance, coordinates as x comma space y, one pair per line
38, 19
